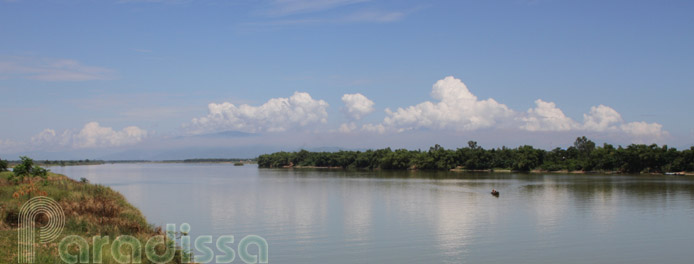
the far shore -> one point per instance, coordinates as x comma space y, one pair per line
459, 169
494, 170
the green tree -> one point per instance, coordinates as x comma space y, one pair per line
437, 158
583, 155
365, 160
3, 165
604, 158
26, 168
502, 158
555, 160
398, 159
300, 157
344, 159
527, 158
584, 147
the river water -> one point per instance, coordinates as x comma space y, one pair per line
336, 216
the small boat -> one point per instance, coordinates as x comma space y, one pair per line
495, 192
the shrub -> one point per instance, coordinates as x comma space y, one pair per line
26, 168
3, 165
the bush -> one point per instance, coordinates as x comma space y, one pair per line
3, 165
26, 168
551, 167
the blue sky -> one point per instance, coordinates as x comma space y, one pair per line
89, 78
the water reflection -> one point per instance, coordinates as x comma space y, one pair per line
335, 216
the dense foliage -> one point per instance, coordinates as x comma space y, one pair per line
89, 209
584, 155
71, 162
3, 165
25, 169
212, 160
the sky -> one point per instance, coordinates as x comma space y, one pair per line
148, 79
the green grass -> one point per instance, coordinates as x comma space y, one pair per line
89, 210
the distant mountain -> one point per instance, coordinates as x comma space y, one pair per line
232, 152
239, 152
220, 145
223, 134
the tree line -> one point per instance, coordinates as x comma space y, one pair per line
24, 169
584, 155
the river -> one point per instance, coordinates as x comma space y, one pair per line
336, 216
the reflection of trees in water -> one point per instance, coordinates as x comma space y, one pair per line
585, 188
582, 187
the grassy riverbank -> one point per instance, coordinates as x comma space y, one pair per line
90, 210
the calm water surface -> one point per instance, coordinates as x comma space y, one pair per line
324, 216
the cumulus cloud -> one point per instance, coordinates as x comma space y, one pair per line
457, 108
601, 118
378, 128
546, 116
276, 115
347, 127
45, 69
48, 137
643, 130
92, 135
357, 105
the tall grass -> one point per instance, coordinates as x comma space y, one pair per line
90, 210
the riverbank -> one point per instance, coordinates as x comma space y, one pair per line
90, 210
583, 156
497, 170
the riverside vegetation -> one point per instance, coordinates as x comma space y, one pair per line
90, 210
584, 155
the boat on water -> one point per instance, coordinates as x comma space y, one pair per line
495, 192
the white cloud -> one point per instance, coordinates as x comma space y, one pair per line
460, 110
51, 70
547, 117
457, 109
601, 118
357, 105
92, 135
289, 7
644, 130
276, 115
374, 16
378, 128
311, 12
347, 127
48, 137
